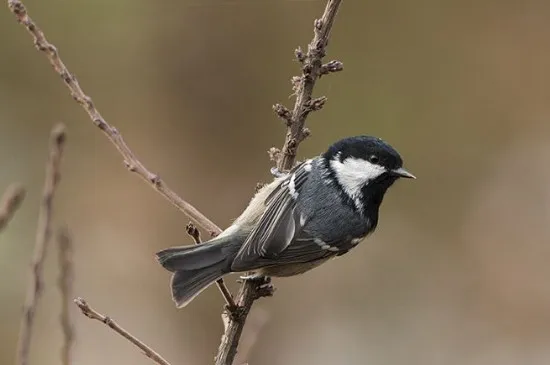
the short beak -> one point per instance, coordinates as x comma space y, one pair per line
401, 172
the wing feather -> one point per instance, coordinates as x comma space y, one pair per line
279, 224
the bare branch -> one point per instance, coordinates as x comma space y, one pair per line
231, 306
256, 322
251, 290
93, 314
312, 69
130, 159
274, 154
43, 233
11, 201
66, 278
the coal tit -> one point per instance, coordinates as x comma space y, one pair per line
321, 209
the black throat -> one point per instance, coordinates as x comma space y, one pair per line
371, 197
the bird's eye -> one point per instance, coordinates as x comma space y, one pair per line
374, 159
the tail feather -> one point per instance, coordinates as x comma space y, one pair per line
187, 284
196, 267
191, 257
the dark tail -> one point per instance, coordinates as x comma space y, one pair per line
195, 267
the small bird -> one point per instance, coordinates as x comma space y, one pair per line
321, 209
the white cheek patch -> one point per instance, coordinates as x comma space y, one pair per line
353, 174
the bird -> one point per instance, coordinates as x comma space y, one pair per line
321, 209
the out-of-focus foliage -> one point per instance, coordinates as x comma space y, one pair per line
457, 272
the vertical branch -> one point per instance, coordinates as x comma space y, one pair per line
11, 201
43, 233
312, 69
66, 278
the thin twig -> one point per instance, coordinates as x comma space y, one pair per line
66, 278
312, 68
130, 159
11, 201
93, 314
43, 233
195, 233
255, 323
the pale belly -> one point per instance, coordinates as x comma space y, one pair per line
290, 269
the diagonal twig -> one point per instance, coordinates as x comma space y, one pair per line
93, 314
65, 282
312, 65
43, 233
11, 201
130, 159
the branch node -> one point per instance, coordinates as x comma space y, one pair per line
332, 66
296, 82
194, 232
283, 113
274, 154
154, 179
318, 25
17, 8
315, 104
131, 168
300, 56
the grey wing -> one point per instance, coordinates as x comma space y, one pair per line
301, 250
279, 225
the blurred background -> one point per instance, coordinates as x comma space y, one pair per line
458, 270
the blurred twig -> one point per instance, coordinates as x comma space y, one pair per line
312, 69
11, 201
43, 233
93, 314
130, 159
231, 306
66, 278
255, 323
